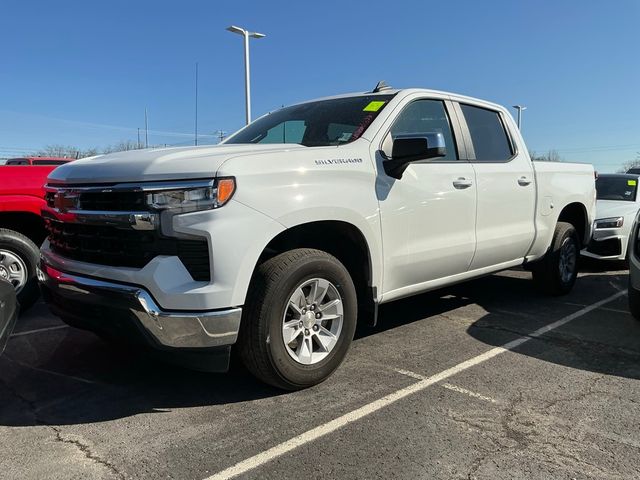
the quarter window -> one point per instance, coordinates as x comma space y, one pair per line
426, 116
490, 141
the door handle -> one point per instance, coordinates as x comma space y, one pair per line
524, 181
462, 183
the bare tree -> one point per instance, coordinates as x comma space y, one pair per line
122, 146
66, 151
69, 151
550, 156
630, 164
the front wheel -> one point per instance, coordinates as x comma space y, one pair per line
299, 319
18, 261
556, 273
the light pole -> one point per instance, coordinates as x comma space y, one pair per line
520, 108
247, 81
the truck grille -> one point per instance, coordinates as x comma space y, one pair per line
106, 201
105, 245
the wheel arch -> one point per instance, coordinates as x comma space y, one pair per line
343, 240
28, 224
576, 214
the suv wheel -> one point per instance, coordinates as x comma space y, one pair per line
299, 319
634, 301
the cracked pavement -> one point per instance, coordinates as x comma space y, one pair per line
563, 405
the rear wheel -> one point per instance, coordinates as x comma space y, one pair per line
18, 262
556, 273
299, 319
634, 301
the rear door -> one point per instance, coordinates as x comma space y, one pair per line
505, 186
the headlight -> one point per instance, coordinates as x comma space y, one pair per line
193, 195
613, 222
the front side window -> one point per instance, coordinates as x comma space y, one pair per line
616, 188
489, 137
316, 124
426, 116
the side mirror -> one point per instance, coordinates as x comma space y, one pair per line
412, 147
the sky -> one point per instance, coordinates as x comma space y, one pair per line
82, 73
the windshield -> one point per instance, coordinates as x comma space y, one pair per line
616, 188
315, 124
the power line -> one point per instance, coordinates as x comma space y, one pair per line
599, 148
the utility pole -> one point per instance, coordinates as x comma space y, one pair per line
196, 119
247, 78
221, 135
146, 129
139, 138
520, 108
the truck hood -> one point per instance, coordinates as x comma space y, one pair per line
157, 164
615, 208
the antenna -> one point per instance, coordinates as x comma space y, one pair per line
380, 86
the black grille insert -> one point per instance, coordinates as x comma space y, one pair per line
105, 245
113, 201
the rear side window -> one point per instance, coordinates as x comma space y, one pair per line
489, 137
48, 162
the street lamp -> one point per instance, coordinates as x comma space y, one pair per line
520, 108
247, 82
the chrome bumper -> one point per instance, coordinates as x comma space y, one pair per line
105, 306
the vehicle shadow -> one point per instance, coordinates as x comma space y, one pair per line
75, 378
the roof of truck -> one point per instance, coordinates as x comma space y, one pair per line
407, 91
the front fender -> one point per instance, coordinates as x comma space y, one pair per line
21, 203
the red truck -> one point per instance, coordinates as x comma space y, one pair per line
21, 227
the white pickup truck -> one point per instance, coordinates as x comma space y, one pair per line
299, 225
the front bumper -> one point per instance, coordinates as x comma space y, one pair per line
130, 312
609, 248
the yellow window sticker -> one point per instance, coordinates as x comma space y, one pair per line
632, 183
373, 106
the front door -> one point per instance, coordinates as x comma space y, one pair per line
427, 216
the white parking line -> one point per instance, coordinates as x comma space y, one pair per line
38, 330
479, 396
449, 386
274, 452
411, 374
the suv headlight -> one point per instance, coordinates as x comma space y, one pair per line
192, 196
612, 222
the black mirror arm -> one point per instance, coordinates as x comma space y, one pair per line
394, 168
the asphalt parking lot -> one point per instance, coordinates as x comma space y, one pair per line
487, 379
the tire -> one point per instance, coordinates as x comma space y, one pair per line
23, 254
634, 301
556, 273
261, 341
